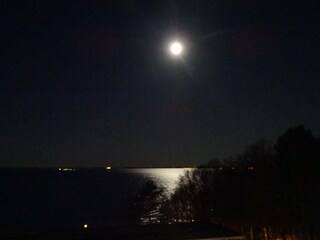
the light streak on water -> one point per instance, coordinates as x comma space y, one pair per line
168, 177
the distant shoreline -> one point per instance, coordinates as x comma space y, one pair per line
89, 168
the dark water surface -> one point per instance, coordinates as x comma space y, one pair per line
32, 198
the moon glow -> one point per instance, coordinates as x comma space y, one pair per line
176, 48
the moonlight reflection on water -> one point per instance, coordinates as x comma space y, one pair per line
168, 177
81, 197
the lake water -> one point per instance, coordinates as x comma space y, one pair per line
34, 198
168, 177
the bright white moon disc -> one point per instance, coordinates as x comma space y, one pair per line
176, 48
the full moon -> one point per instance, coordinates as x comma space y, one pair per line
176, 48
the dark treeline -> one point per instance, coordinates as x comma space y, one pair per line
269, 191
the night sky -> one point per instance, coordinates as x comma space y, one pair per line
91, 83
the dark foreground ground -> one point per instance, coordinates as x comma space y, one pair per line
173, 231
